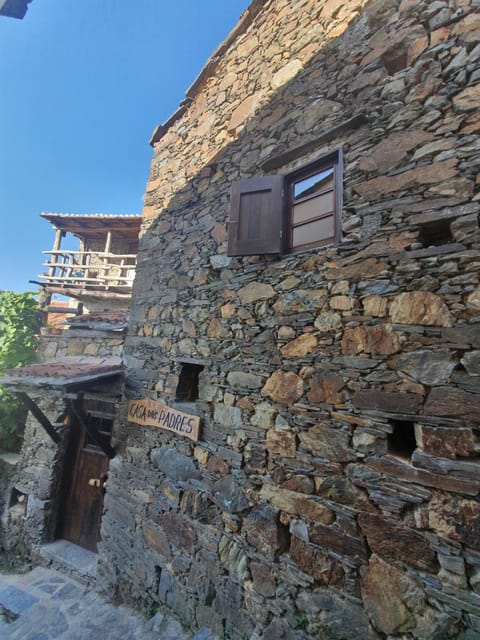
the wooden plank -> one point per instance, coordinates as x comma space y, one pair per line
97, 280
70, 289
85, 472
147, 412
69, 252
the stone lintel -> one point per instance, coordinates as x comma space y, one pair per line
275, 162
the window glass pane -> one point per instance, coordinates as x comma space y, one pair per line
313, 207
317, 231
318, 182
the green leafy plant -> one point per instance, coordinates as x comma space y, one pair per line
302, 622
19, 324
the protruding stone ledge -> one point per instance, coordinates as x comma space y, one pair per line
388, 401
275, 162
403, 470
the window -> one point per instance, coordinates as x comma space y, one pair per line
402, 441
311, 207
187, 388
101, 424
436, 233
283, 214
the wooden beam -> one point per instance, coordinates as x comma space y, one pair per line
39, 415
59, 234
78, 412
69, 310
102, 281
93, 292
99, 254
57, 243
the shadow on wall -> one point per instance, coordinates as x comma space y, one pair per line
268, 499
12, 501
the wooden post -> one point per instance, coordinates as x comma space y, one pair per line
84, 259
59, 234
108, 246
108, 242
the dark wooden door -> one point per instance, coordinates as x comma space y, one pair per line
86, 468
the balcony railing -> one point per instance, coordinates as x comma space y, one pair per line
89, 269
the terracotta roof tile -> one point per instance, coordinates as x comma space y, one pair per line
62, 373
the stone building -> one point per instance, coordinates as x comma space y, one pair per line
307, 286
72, 392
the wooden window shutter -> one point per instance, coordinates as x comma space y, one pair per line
256, 217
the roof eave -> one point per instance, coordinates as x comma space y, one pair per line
210, 67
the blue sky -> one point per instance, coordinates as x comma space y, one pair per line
83, 84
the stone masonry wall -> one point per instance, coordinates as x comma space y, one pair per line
334, 489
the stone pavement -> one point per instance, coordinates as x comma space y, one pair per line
45, 604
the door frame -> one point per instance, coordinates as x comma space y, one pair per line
81, 499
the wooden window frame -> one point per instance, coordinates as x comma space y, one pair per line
277, 214
90, 446
335, 161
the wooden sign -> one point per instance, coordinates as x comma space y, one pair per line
153, 414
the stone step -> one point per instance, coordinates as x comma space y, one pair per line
70, 559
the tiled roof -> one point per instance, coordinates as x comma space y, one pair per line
62, 374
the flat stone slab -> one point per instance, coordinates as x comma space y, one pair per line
47, 604
10, 458
72, 556
16, 600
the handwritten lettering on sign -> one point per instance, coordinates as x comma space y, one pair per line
153, 414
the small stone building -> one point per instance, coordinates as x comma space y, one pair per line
307, 288
72, 392
308, 285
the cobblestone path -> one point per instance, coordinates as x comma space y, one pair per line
45, 605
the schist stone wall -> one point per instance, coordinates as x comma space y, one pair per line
334, 490
32, 496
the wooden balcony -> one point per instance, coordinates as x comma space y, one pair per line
80, 272
101, 270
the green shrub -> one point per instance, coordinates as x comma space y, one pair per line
19, 324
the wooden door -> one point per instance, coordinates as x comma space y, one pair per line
86, 468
